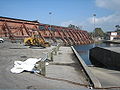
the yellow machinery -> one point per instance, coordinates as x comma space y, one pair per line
36, 41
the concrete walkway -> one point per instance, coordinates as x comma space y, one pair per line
66, 67
107, 78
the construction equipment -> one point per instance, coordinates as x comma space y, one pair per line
36, 41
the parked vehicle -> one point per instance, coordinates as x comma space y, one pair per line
1, 40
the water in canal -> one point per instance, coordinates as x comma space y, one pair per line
83, 50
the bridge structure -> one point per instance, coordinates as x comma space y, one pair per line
19, 29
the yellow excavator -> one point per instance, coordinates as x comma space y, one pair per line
36, 41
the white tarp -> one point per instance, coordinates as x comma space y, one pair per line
28, 65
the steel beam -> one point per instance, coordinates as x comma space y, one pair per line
22, 29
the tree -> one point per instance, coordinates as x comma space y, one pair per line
117, 27
73, 26
98, 32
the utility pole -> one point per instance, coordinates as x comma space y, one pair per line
50, 13
94, 15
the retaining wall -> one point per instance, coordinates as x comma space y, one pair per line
102, 57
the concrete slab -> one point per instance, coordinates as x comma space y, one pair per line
107, 78
65, 66
115, 49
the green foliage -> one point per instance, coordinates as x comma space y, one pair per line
98, 32
73, 26
117, 27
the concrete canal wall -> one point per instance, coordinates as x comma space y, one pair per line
105, 57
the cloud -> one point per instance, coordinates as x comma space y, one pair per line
107, 23
114, 18
66, 23
108, 4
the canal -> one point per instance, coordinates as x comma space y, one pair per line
83, 50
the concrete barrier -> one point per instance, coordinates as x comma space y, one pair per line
94, 82
105, 57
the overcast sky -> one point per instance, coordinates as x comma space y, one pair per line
65, 12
